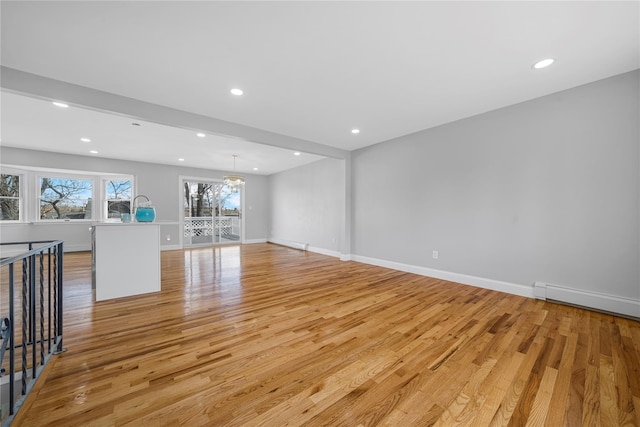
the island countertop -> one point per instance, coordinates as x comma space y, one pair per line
125, 258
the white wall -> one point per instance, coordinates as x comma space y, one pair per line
546, 190
158, 182
307, 205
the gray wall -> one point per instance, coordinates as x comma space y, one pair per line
307, 205
159, 182
546, 190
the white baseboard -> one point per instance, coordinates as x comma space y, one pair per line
603, 302
289, 243
177, 247
254, 241
610, 303
480, 282
346, 257
304, 247
323, 251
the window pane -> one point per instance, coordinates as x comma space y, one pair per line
9, 197
115, 208
10, 185
230, 201
66, 209
119, 190
9, 209
62, 198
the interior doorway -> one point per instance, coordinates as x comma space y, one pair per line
212, 213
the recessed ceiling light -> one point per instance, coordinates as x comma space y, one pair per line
85, 140
255, 169
60, 104
355, 131
200, 135
297, 153
93, 152
542, 64
181, 159
236, 91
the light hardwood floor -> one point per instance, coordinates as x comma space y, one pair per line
264, 335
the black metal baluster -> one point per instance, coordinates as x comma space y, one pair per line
60, 292
12, 353
58, 277
49, 299
25, 326
32, 314
42, 308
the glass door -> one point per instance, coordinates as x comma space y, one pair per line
212, 213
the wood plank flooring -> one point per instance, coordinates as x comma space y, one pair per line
262, 335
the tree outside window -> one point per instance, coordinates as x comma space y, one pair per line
9, 197
199, 199
66, 198
207, 199
229, 201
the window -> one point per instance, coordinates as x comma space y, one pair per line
66, 198
33, 194
10, 201
118, 197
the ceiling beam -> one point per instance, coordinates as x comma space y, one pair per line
46, 88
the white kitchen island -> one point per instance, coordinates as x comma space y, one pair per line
125, 259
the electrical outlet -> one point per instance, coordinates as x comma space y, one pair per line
435, 254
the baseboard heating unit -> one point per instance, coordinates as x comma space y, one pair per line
576, 297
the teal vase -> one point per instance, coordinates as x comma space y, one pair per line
145, 214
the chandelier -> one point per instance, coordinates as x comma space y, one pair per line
234, 181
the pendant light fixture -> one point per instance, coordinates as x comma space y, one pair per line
234, 181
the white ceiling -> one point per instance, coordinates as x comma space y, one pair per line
315, 70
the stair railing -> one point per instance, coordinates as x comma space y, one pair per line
31, 313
